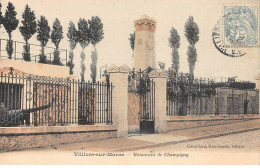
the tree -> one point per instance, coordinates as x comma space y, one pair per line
28, 29
174, 42
192, 35
84, 39
73, 39
132, 40
10, 24
96, 33
43, 36
56, 36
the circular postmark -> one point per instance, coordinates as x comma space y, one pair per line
218, 41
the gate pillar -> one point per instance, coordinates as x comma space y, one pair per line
159, 77
119, 78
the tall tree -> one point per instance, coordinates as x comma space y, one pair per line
132, 41
174, 42
192, 35
56, 36
28, 29
10, 24
84, 39
73, 39
96, 35
43, 36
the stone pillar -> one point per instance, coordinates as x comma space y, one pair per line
119, 78
159, 77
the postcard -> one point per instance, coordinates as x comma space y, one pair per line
120, 82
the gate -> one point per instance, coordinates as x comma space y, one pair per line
140, 84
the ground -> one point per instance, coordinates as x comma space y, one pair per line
237, 143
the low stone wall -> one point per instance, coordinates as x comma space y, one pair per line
186, 122
17, 138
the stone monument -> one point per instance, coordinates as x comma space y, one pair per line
144, 54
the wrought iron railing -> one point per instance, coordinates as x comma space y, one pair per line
187, 96
34, 50
45, 101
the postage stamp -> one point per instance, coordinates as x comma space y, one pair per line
240, 26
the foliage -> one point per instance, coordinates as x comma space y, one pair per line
73, 39
132, 40
56, 59
83, 33
26, 53
72, 35
28, 29
93, 65
1, 16
82, 65
10, 21
84, 39
191, 31
174, 42
10, 24
56, 36
192, 58
56, 33
174, 39
9, 48
184, 85
96, 33
43, 35
192, 35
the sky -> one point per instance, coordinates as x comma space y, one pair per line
118, 17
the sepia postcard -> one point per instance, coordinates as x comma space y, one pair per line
129, 82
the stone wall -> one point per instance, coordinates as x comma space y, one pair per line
36, 68
18, 138
186, 122
133, 112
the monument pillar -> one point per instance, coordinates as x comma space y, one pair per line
144, 54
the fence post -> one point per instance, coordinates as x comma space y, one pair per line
159, 77
119, 78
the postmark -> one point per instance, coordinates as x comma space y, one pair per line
241, 27
237, 29
218, 41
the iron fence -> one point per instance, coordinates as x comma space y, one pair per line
46, 101
187, 96
34, 49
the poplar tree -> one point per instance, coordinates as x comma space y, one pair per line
192, 35
56, 37
96, 33
73, 39
43, 36
174, 43
10, 24
28, 29
84, 39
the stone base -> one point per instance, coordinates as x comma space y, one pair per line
12, 139
186, 122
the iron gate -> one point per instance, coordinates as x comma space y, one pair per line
140, 83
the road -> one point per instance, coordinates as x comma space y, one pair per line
237, 148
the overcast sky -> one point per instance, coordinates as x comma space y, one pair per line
118, 17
